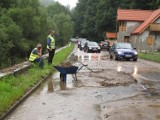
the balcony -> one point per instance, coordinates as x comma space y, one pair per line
154, 27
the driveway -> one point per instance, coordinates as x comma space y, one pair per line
115, 90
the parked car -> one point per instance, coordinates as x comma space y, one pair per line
92, 47
104, 45
82, 43
123, 51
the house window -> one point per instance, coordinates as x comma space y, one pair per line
122, 26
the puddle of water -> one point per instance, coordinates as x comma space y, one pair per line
135, 70
154, 106
149, 74
50, 86
55, 84
119, 68
62, 85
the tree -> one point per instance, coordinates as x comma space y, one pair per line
64, 28
7, 3
57, 8
89, 19
146, 4
10, 34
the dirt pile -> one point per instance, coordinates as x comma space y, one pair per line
65, 64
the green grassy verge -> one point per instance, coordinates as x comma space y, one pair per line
13, 88
155, 57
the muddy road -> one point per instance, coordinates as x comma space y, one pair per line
115, 90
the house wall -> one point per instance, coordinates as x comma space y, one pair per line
140, 41
133, 41
157, 37
157, 42
143, 46
130, 26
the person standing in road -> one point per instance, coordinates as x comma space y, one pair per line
51, 46
36, 56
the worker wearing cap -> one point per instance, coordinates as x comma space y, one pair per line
51, 46
36, 55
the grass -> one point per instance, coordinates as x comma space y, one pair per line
13, 88
155, 57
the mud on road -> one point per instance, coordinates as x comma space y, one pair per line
106, 78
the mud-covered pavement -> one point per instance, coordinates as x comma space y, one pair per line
115, 90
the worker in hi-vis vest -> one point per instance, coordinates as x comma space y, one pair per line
51, 46
36, 55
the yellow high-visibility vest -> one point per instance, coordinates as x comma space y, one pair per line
32, 56
52, 42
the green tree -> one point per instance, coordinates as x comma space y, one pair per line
78, 17
7, 3
146, 4
64, 28
89, 19
10, 34
57, 8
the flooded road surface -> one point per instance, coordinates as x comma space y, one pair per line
115, 90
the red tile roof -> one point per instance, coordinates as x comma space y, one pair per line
155, 15
133, 15
111, 35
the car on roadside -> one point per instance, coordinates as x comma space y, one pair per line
92, 47
104, 45
121, 50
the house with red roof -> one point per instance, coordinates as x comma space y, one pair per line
111, 35
139, 27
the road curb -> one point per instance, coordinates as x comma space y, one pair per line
12, 108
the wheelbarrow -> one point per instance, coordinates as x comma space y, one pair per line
70, 70
67, 70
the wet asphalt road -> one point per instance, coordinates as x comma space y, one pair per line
109, 93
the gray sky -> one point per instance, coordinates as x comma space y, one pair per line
71, 3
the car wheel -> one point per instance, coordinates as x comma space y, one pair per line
134, 59
99, 51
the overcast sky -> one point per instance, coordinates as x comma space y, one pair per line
71, 3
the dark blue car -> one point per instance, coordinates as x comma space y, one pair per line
120, 51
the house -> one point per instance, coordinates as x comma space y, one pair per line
111, 37
141, 28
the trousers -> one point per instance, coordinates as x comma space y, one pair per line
51, 55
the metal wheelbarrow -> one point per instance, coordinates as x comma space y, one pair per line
67, 70
70, 70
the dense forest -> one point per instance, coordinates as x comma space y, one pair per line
24, 23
